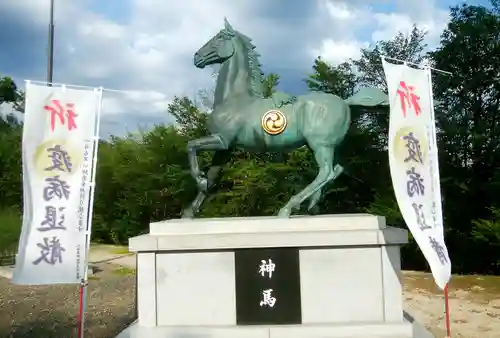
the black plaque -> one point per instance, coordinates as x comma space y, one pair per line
257, 272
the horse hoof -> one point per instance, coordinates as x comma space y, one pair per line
202, 183
188, 213
338, 169
313, 203
313, 210
285, 212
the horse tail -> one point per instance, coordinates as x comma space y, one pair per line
368, 97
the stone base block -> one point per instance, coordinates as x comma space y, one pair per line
327, 276
396, 330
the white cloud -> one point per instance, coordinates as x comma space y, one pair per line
390, 24
383, 26
336, 52
6, 109
150, 54
340, 11
142, 102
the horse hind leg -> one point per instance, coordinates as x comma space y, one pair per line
314, 199
194, 207
324, 156
220, 158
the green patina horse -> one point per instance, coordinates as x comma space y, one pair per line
242, 118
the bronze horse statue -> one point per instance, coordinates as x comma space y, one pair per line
242, 118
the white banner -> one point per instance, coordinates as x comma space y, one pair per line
413, 160
59, 140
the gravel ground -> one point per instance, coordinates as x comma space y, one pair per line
51, 311
474, 304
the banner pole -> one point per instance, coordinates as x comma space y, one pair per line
447, 312
438, 197
446, 288
81, 311
84, 283
415, 64
50, 46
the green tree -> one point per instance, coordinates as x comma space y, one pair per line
189, 119
10, 162
10, 147
407, 47
10, 94
270, 82
468, 103
339, 80
8, 90
486, 237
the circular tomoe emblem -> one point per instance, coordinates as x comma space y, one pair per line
273, 122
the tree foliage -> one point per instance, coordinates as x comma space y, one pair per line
339, 80
467, 114
402, 47
8, 90
145, 177
10, 94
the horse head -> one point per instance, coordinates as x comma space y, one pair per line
218, 49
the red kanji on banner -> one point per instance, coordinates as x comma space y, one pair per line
408, 98
57, 110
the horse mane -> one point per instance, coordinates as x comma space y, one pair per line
256, 74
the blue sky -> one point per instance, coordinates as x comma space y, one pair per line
145, 46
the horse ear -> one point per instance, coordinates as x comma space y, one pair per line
227, 26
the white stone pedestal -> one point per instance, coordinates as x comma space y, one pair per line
349, 277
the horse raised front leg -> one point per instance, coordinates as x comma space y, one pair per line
324, 157
220, 158
212, 142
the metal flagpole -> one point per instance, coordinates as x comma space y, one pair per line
50, 49
416, 64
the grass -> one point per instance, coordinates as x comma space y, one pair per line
10, 225
111, 248
120, 250
124, 271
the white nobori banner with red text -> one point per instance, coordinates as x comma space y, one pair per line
58, 155
413, 160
